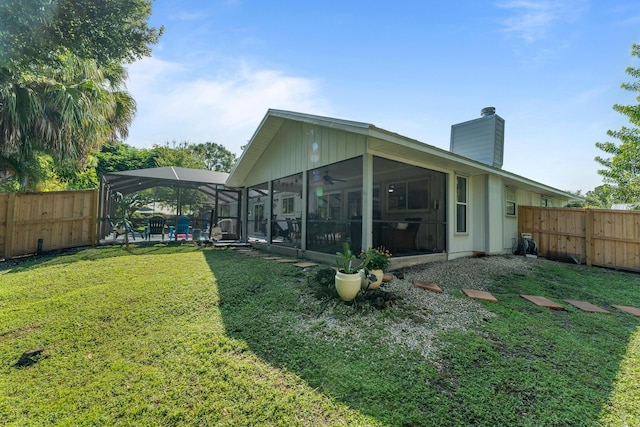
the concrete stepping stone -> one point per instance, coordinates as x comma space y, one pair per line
387, 277
587, 306
433, 287
543, 302
630, 310
286, 260
483, 295
305, 264
273, 258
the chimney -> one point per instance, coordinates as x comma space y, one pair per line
480, 139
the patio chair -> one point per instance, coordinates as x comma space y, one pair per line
403, 238
119, 228
156, 225
182, 228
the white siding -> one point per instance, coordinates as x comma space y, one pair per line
292, 150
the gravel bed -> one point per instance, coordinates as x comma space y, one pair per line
419, 315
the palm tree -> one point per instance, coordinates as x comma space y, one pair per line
67, 112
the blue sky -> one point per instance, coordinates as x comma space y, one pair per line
552, 70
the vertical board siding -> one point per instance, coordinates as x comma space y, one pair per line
62, 220
604, 238
290, 150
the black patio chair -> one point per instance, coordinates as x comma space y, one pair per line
156, 226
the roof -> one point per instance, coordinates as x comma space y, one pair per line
127, 182
390, 143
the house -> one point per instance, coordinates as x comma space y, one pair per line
311, 183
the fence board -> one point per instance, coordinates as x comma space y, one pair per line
605, 238
62, 220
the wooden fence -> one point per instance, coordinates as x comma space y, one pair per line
34, 222
604, 238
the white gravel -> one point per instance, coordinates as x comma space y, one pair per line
418, 315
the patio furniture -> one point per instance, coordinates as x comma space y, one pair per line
119, 228
156, 225
182, 228
402, 238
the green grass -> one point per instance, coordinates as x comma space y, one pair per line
181, 335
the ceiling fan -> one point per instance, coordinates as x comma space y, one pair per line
328, 179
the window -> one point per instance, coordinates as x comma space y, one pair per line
510, 201
287, 205
545, 202
408, 195
461, 204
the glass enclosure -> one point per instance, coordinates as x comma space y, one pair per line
409, 215
286, 214
257, 206
409, 208
334, 206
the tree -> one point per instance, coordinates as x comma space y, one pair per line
600, 197
106, 31
62, 77
66, 112
214, 156
622, 169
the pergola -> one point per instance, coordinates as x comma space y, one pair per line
128, 182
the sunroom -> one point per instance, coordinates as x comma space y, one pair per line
312, 184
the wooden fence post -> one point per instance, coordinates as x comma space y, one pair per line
93, 225
8, 242
588, 225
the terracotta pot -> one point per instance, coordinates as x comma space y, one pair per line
347, 285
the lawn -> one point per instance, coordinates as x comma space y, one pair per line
185, 335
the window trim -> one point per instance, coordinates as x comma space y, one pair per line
286, 200
510, 202
464, 203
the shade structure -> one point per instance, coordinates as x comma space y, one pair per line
209, 182
126, 182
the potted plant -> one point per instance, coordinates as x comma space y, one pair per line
348, 276
379, 260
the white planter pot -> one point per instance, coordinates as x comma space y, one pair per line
348, 285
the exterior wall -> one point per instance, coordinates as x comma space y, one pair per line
301, 146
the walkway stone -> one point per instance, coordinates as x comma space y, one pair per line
587, 306
433, 287
483, 295
630, 310
305, 264
542, 302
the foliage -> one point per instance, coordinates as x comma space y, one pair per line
600, 197
348, 263
125, 207
62, 79
129, 339
35, 32
379, 258
215, 157
622, 169
65, 112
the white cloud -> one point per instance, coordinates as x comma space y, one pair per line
532, 20
224, 109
